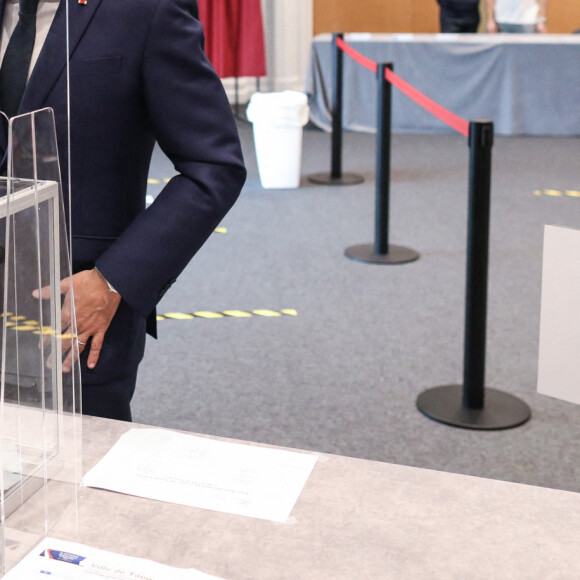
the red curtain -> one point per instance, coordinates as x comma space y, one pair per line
234, 37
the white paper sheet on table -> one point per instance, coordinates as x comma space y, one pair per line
228, 477
61, 560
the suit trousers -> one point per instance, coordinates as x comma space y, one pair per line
110, 400
107, 389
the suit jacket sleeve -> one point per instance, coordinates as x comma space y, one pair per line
192, 122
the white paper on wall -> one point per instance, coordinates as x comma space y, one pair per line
559, 353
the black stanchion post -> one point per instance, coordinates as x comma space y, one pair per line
336, 176
480, 145
471, 405
383, 170
382, 252
337, 91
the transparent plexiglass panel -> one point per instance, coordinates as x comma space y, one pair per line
40, 419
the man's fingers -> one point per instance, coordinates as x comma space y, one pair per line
72, 352
68, 350
96, 346
67, 362
44, 292
95, 307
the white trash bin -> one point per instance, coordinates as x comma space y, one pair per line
278, 119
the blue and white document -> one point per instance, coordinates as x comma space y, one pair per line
60, 560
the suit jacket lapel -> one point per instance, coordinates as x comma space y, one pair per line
52, 60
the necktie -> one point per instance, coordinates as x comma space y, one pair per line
14, 70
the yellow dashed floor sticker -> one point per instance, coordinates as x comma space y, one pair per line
178, 316
227, 314
155, 181
206, 314
22, 324
237, 313
266, 313
45, 330
558, 192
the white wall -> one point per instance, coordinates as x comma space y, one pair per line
288, 31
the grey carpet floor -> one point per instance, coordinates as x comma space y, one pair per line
342, 376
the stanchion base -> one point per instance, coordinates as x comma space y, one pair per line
501, 410
396, 254
328, 179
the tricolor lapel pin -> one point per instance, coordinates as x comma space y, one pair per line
83, 1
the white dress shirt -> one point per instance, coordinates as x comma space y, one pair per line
517, 11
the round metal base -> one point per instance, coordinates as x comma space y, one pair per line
344, 179
396, 254
501, 410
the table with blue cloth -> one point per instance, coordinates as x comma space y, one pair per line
527, 84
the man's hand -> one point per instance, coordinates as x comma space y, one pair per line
95, 306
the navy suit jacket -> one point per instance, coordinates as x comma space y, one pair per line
138, 74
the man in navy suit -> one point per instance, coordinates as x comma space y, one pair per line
138, 75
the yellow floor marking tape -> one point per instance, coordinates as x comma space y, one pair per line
206, 314
266, 313
155, 181
237, 313
558, 192
178, 316
289, 312
21, 323
227, 313
46, 330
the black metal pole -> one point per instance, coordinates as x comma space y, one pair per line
381, 252
471, 405
480, 145
336, 176
337, 82
383, 183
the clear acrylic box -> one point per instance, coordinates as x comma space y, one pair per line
40, 406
